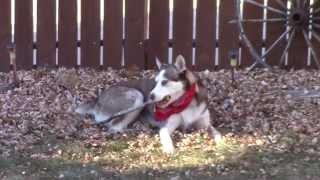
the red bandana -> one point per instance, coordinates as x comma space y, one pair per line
178, 106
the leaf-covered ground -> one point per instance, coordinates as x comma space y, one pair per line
271, 131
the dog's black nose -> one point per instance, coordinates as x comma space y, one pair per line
152, 97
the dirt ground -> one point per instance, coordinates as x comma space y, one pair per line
270, 123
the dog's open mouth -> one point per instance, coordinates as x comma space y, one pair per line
164, 101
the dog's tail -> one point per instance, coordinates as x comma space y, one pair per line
86, 108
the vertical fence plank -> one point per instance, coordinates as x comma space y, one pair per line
274, 31
5, 35
206, 31
159, 31
23, 34
67, 33
46, 35
134, 45
253, 31
135, 33
182, 29
90, 33
229, 36
112, 33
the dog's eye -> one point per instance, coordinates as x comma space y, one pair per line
164, 82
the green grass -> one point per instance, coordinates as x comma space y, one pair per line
141, 157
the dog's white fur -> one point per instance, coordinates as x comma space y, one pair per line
194, 115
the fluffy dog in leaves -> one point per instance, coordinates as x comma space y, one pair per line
181, 103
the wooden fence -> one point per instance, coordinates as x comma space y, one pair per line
106, 37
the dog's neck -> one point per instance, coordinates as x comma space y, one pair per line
162, 114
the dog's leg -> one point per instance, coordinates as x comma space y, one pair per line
215, 134
205, 123
118, 125
165, 133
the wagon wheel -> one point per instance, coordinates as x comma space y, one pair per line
298, 16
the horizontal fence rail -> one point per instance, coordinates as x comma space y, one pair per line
131, 33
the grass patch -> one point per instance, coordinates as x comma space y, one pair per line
195, 155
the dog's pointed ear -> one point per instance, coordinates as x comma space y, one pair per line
158, 63
180, 63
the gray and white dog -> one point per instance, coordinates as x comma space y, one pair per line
181, 103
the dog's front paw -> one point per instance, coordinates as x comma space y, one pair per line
217, 137
168, 149
166, 141
215, 134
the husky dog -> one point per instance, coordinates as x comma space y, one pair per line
181, 103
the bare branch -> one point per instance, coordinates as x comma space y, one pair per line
12, 53
15, 82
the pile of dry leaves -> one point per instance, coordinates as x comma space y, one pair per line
262, 102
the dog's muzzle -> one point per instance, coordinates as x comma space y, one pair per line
164, 101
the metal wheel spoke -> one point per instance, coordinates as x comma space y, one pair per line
259, 20
267, 7
287, 46
316, 36
281, 3
314, 54
298, 3
301, 17
247, 41
283, 35
256, 56
316, 11
316, 25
